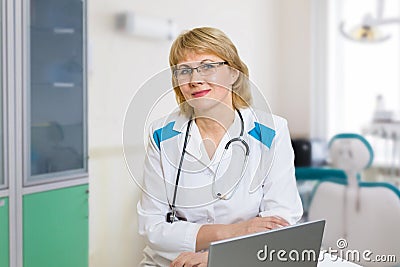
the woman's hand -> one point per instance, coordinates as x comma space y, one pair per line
191, 259
254, 225
257, 224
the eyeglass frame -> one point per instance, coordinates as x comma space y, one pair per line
218, 64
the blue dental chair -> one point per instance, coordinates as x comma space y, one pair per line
364, 214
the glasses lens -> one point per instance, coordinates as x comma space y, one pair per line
183, 74
208, 69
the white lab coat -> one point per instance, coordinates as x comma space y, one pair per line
267, 188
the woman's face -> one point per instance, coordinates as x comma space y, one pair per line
208, 88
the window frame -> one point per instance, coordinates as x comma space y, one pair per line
3, 98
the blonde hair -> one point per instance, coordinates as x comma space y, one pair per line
213, 41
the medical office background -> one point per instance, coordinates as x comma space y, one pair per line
321, 81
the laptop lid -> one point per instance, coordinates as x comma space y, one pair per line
296, 245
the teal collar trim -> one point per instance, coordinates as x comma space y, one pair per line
263, 134
164, 133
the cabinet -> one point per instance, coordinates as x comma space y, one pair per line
56, 228
4, 232
43, 131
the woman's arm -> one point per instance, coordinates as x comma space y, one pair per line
214, 232
166, 239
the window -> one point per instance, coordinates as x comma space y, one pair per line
358, 73
57, 89
349, 77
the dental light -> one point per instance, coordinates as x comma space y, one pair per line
368, 31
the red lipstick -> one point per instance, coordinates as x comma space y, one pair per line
201, 93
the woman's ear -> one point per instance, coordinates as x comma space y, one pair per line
234, 75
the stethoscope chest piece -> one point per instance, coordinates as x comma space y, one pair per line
172, 217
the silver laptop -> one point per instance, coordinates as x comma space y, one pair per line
296, 245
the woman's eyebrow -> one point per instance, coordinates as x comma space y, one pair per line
204, 60
183, 66
188, 66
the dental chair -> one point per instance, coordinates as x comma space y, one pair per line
360, 216
308, 177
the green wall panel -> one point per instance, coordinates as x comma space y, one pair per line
4, 236
55, 228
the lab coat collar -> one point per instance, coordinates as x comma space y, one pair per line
195, 146
181, 122
252, 117
196, 149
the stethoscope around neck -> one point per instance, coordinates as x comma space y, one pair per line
172, 216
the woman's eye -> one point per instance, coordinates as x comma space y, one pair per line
207, 66
185, 71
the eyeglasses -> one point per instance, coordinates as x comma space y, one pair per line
184, 74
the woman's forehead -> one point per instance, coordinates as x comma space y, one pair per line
196, 56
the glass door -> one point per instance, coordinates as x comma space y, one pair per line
2, 88
57, 91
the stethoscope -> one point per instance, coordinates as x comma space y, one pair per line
172, 216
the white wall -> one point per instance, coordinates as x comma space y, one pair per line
120, 64
295, 66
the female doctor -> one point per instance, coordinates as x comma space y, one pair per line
194, 191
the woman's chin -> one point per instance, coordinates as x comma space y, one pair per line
203, 104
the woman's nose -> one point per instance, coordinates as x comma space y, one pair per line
196, 77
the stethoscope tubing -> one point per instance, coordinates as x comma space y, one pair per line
230, 193
172, 206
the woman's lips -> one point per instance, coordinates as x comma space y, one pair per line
201, 93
